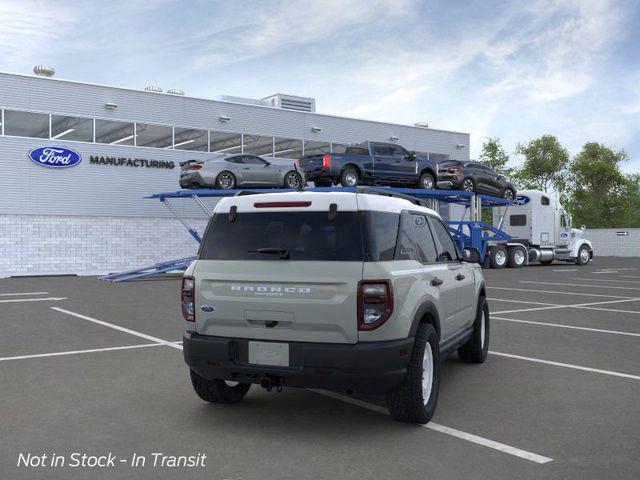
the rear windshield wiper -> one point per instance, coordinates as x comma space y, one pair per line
283, 252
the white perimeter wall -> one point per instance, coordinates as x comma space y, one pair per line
53, 245
608, 243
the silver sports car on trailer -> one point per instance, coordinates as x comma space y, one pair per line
240, 170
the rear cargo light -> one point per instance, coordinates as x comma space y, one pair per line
187, 298
326, 161
375, 303
281, 204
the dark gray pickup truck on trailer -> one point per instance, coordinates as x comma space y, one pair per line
371, 163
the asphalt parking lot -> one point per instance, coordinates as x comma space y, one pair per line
95, 367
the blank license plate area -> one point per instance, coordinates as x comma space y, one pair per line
269, 353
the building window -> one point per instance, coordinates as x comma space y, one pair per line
157, 136
71, 128
26, 124
257, 145
287, 148
338, 148
438, 157
316, 148
190, 139
226, 142
115, 133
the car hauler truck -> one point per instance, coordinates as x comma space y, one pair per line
540, 231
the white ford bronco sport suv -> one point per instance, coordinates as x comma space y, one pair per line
352, 292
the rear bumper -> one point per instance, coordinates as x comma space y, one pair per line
373, 367
189, 180
320, 173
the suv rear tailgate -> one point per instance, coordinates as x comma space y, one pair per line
313, 301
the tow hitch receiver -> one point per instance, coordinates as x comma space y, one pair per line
270, 382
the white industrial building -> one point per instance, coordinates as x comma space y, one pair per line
91, 218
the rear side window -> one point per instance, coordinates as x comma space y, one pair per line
379, 232
447, 251
517, 220
544, 201
302, 235
414, 239
357, 151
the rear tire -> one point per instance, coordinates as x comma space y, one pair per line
349, 177
218, 391
468, 185
475, 349
517, 257
499, 256
225, 180
415, 399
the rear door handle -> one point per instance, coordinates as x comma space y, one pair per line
436, 282
460, 277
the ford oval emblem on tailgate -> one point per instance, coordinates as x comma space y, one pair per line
207, 308
55, 157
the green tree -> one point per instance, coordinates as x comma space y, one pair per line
545, 164
599, 194
494, 156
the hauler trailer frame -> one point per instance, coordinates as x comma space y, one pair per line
468, 234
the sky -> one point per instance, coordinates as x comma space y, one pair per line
509, 69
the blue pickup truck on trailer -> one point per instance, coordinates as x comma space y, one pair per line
370, 163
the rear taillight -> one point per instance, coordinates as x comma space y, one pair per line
326, 161
187, 298
375, 303
455, 170
196, 167
298, 163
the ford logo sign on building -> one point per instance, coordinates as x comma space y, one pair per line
55, 157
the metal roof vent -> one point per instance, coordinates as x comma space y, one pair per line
153, 88
291, 102
175, 91
44, 71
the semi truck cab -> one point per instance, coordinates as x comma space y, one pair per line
540, 226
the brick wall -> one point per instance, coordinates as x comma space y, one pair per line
607, 242
46, 245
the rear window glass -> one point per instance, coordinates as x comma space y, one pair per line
357, 151
351, 236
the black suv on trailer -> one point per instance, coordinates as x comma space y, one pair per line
474, 177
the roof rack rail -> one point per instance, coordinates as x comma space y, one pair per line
389, 193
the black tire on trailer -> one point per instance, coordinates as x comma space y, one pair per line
349, 177
517, 257
584, 255
508, 194
475, 349
415, 399
427, 181
293, 180
498, 256
218, 391
225, 180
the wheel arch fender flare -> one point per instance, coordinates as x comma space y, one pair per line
353, 166
426, 309
578, 244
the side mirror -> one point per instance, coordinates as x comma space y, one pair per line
471, 255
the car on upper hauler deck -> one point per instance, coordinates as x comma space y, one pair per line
371, 163
226, 172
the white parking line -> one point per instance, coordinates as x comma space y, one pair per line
76, 352
587, 306
27, 293
521, 301
485, 442
629, 276
47, 299
531, 309
566, 270
605, 280
581, 285
573, 327
557, 292
119, 328
566, 365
